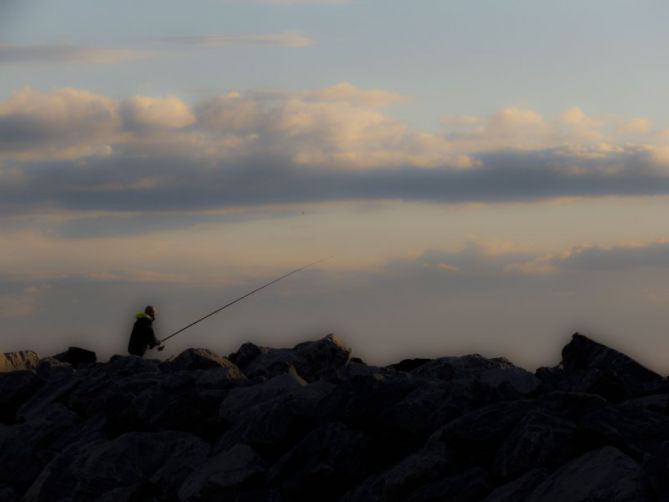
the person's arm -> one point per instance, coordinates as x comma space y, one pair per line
153, 340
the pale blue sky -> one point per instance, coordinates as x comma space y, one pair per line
490, 175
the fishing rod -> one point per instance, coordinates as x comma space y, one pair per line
242, 297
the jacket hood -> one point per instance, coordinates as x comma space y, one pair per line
143, 315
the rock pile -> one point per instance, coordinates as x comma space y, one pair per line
310, 423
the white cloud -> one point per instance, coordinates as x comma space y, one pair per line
162, 113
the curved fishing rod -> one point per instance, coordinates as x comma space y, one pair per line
242, 297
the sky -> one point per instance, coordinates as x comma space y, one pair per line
488, 177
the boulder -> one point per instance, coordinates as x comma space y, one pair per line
538, 440
418, 469
590, 367
322, 358
498, 373
134, 466
656, 464
77, 356
519, 489
476, 436
9, 494
246, 354
200, 359
233, 470
16, 387
50, 367
606, 474
324, 464
467, 486
17, 361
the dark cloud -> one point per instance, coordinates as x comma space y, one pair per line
654, 255
159, 183
12, 53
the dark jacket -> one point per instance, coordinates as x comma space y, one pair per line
142, 336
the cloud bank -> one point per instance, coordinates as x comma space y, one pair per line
75, 149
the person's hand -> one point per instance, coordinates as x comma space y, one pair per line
161, 348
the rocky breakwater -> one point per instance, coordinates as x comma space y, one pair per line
312, 423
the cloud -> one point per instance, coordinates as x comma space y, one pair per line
296, 40
75, 149
12, 53
162, 113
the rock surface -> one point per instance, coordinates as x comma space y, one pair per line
312, 423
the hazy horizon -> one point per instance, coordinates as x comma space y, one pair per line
489, 177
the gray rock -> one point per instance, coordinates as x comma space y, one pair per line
606, 474
272, 363
234, 469
519, 489
54, 391
50, 367
246, 355
17, 361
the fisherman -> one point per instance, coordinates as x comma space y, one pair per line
143, 337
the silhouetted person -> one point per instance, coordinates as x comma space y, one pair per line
142, 336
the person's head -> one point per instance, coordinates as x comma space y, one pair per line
150, 311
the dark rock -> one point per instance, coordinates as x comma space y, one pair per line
478, 435
498, 372
633, 430
134, 466
468, 486
131, 365
324, 464
200, 359
9, 494
409, 365
233, 470
321, 358
50, 367
55, 391
16, 387
593, 368
656, 464
519, 489
538, 440
77, 356
272, 363
408, 475
606, 474
246, 354
18, 361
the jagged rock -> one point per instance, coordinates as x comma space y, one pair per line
406, 476
324, 464
135, 466
572, 405
497, 372
238, 468
17, 361
131, 365
590, 367
54, 391
468, 486
519, 489
606, 474
200, 359
321, 358
16, 387
77, 356
272, 363
538, 440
